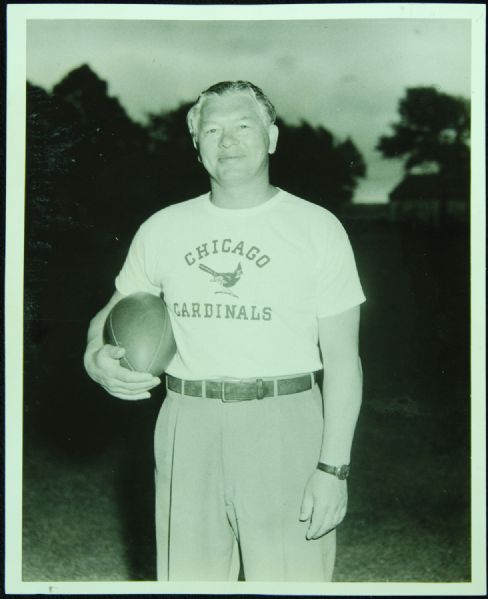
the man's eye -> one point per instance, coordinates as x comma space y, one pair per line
212, 130
243, 126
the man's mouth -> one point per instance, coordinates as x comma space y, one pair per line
231, 157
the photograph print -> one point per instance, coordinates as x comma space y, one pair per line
247, 286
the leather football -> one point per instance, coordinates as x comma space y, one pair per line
140, 323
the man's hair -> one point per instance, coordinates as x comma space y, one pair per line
266, 108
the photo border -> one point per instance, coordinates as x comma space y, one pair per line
17, 16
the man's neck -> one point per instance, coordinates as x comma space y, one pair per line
241, 196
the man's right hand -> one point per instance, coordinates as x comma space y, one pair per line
103, 366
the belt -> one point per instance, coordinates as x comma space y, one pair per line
242, 390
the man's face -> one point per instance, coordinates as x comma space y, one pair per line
233, 140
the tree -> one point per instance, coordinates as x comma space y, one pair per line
177, 170
85, 178
432, 133
49, 164
310, 163
106, 141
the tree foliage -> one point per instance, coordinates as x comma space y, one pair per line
433, 129
312, 164
171, 148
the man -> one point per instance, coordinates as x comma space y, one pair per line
250, 462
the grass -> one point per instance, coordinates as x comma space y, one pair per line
407, 521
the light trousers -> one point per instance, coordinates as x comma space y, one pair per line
230, 479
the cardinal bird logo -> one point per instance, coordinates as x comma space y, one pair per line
225, 279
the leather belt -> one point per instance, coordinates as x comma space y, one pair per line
242, 390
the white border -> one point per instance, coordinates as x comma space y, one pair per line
361, 589
14, 295
478, 299
17, 14
220, 12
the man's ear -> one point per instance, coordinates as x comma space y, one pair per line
273, 132
195, 145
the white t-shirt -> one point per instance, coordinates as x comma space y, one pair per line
244, 287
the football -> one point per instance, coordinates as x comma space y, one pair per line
140, 323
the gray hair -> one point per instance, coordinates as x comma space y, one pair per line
266, 109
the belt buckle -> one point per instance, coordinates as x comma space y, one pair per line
259, 390
226, 399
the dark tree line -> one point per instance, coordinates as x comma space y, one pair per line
81, 140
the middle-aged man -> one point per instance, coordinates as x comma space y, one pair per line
250, 461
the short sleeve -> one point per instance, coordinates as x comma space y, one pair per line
137, 273
338, 284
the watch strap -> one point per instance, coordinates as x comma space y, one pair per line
342, 472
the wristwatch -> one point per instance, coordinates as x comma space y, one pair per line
342, 472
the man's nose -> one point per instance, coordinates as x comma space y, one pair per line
228, 138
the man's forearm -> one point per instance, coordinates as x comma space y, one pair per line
342, 393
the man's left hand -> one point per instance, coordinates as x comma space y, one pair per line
324, 503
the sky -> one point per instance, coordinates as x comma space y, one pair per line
346, 75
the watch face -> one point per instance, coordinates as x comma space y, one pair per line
342, 472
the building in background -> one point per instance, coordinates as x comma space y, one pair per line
426, 198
